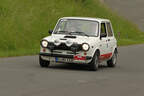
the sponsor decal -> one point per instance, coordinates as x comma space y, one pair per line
78, 57
105, 56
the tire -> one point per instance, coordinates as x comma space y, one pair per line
43, 63
113, 61
94, 64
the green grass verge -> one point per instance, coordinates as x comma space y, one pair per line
23, 23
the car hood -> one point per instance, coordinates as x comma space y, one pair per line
70, 39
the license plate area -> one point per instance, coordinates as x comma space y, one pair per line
59, 59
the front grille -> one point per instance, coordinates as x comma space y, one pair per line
63, 46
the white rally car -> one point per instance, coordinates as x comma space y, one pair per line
80, 40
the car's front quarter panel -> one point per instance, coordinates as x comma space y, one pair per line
94, 45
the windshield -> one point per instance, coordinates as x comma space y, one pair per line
77, 27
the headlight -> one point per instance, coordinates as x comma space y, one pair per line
44, 43
85, 46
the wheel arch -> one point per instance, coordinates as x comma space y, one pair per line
115, 49
97, 51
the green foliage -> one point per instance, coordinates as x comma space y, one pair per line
23, 23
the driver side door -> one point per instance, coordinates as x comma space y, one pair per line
103, 42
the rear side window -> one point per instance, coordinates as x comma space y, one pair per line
109, 29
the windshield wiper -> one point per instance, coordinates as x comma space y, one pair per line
79, 33
61, 32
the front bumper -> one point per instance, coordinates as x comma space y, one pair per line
87, 58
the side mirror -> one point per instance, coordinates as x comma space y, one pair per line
103, 35
50, 31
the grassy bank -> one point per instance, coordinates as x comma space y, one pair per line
23, 23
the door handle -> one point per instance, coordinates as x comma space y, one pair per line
108, 39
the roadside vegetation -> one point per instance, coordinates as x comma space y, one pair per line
23, 23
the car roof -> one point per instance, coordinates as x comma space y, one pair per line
87, 18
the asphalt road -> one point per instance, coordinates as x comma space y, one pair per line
133, 10
22, 76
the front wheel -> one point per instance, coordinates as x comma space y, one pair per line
112, 62
43, 63
94, 63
